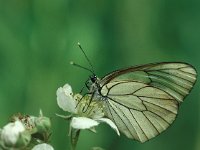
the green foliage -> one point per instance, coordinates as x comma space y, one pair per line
39, 38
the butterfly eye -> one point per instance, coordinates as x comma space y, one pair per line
93, 78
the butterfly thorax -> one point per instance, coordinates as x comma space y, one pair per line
94, 85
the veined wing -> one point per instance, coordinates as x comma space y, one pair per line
177, 79
143, 100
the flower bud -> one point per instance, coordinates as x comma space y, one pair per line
42, 124
43, 146
24, 139
15, 135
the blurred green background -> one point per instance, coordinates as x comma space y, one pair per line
38, 39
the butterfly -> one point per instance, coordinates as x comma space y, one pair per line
143, 100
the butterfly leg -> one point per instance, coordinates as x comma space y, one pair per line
85, 85
82, 89
81, 99
85, 108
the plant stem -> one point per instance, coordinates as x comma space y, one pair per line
74, 138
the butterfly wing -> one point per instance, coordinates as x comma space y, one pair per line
143, 100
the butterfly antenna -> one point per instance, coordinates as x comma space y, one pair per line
92, 69
77, 65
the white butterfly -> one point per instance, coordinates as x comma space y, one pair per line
143, 100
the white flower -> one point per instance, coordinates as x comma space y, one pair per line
11, 133
43, 146
87, 123
65, 98
90, 113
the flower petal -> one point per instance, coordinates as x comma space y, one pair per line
65, 98
43, 146
11, 132
110, 123
83, 123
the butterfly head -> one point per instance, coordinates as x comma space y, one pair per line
93, 83
93, 78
